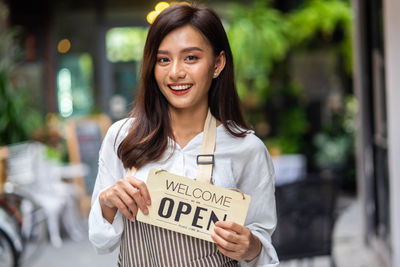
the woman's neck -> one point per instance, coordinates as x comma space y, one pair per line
186, 124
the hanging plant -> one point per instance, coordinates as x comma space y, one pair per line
17, 119
258, 37
262, 39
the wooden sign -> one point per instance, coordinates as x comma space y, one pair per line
190, 207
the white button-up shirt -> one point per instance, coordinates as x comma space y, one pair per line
242, 163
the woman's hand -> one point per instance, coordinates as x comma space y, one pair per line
236, 241
128, 195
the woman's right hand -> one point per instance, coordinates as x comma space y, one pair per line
127, 195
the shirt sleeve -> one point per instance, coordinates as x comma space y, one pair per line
257, 179
104, 236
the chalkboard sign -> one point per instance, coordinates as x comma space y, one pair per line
84, 137
89, 140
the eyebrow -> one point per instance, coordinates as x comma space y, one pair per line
185, 50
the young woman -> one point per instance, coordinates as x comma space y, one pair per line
187, 70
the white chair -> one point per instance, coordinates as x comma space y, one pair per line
30, 173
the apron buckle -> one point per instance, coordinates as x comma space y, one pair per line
209, 159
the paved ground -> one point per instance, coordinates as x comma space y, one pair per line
73, 254
349, 248
348, 251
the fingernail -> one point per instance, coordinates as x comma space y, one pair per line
145, 211
148, 202
132, 219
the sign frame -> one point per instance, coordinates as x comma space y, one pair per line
191, 207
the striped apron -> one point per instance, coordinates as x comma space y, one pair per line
146, 245
151, 246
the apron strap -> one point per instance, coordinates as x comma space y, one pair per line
205, 160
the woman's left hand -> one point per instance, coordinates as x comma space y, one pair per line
236, 241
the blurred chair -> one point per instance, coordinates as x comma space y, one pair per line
306, 216
84, 136
32, 175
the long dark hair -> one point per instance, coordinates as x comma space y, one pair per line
147, 139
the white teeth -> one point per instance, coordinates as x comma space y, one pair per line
180, 87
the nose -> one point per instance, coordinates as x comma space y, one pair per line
177, 71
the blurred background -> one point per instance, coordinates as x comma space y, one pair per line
318, 80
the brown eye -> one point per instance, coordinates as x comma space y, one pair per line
163, 60
191, 58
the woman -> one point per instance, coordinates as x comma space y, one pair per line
187, 69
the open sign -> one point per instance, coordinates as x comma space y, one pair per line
190, 207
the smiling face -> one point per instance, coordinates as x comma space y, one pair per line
185, 68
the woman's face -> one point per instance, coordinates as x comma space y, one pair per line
185, 68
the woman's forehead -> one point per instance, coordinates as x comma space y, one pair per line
184, 37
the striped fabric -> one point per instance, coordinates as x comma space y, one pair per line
147, 245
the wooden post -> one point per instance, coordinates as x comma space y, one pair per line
3, 167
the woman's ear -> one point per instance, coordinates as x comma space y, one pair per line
219, 65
